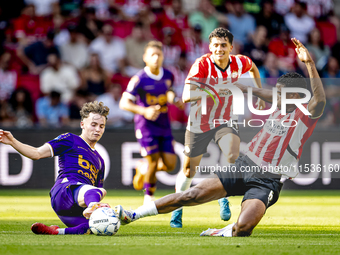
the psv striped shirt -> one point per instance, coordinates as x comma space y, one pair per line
279, 143
205, 70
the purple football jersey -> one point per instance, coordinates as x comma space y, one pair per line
147, 89
78, 162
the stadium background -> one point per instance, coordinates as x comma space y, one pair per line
73, 29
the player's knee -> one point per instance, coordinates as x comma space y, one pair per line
243, 228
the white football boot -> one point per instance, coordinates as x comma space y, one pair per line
225, 232
125, 216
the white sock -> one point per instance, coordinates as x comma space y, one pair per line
61, 231
182, 182
148, 199
148, 209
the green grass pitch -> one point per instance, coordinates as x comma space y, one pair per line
301, 222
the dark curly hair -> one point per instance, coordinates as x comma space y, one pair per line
293, 80
221, 32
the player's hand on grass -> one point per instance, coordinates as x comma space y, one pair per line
152, 112
6, 137
301, 51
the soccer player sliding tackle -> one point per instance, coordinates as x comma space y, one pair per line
210, 71
275, 146
78, 189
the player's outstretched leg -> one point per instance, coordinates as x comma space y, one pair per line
41, 229
208, 190
125, 216
225, 212
77, 225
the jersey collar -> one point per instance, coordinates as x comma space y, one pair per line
222, 70
152, 76
87, 143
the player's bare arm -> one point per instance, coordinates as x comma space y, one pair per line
255, 74
188, 95
191, 93
317, 103
151, 113
28, 151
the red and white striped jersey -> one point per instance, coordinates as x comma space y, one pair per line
205, 70
279, 143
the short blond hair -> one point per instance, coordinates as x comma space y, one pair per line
154, 44
94, 107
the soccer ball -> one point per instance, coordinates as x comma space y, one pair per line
104, 222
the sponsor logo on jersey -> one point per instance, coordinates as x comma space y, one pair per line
234, 74
275, 128
153, 100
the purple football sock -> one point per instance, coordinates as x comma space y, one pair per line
92, 195
78, 230
147, 187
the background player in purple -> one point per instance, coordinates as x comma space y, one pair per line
147, 96
78, 189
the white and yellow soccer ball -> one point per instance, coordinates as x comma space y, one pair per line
104, 222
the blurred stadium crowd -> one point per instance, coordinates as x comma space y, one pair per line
56, 55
